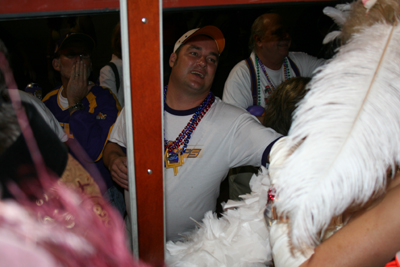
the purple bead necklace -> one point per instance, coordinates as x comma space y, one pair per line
185, 135
286, 72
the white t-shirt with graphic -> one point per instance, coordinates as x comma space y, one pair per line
226, 137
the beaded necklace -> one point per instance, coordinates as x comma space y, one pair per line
270, 86
172, 156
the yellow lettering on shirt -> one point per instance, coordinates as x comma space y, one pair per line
92, 101
193, 153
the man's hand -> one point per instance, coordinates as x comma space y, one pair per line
78, 86
119, 171
115, 160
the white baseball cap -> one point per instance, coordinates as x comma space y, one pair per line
210, 31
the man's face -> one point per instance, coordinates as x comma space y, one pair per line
195, 66
69, 56
276, 40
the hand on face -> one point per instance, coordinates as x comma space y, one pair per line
78, 86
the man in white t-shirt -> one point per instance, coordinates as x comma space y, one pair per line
251, 81
204, 136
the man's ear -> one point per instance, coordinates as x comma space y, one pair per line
56, 64
172, 59
258, 40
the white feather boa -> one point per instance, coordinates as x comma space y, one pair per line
348, 126
239, 238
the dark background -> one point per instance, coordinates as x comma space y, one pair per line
30, 41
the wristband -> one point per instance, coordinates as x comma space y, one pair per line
78, 106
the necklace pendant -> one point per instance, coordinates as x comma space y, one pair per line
268, 89
173, 160
173, 157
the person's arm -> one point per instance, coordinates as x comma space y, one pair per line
115, 160
92, 132
46, 114
372, 239
307, 64
251, 142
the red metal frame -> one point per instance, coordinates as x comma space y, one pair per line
29, 6
144, 47
38, 6
197, 3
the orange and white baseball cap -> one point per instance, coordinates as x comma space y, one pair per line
210, 31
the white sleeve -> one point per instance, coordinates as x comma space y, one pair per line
250, 140
237, 89
118, 133
46, 114
307, 64
107, 79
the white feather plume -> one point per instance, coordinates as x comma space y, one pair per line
349, 129
331, 36
344, 7
238, 239
339, 14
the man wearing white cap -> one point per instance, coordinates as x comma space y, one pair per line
204, 136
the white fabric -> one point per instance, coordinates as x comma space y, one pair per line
46, 114
226, 137
277, 157
237, 90
107, 79
62, 100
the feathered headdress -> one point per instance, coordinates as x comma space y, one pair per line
345, 134
352, 18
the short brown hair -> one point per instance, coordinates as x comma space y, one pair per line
257, 29
283, 102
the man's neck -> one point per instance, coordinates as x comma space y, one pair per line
272, 62
177, 100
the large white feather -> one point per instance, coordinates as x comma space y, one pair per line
349, 129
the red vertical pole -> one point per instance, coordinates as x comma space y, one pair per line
145, 72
